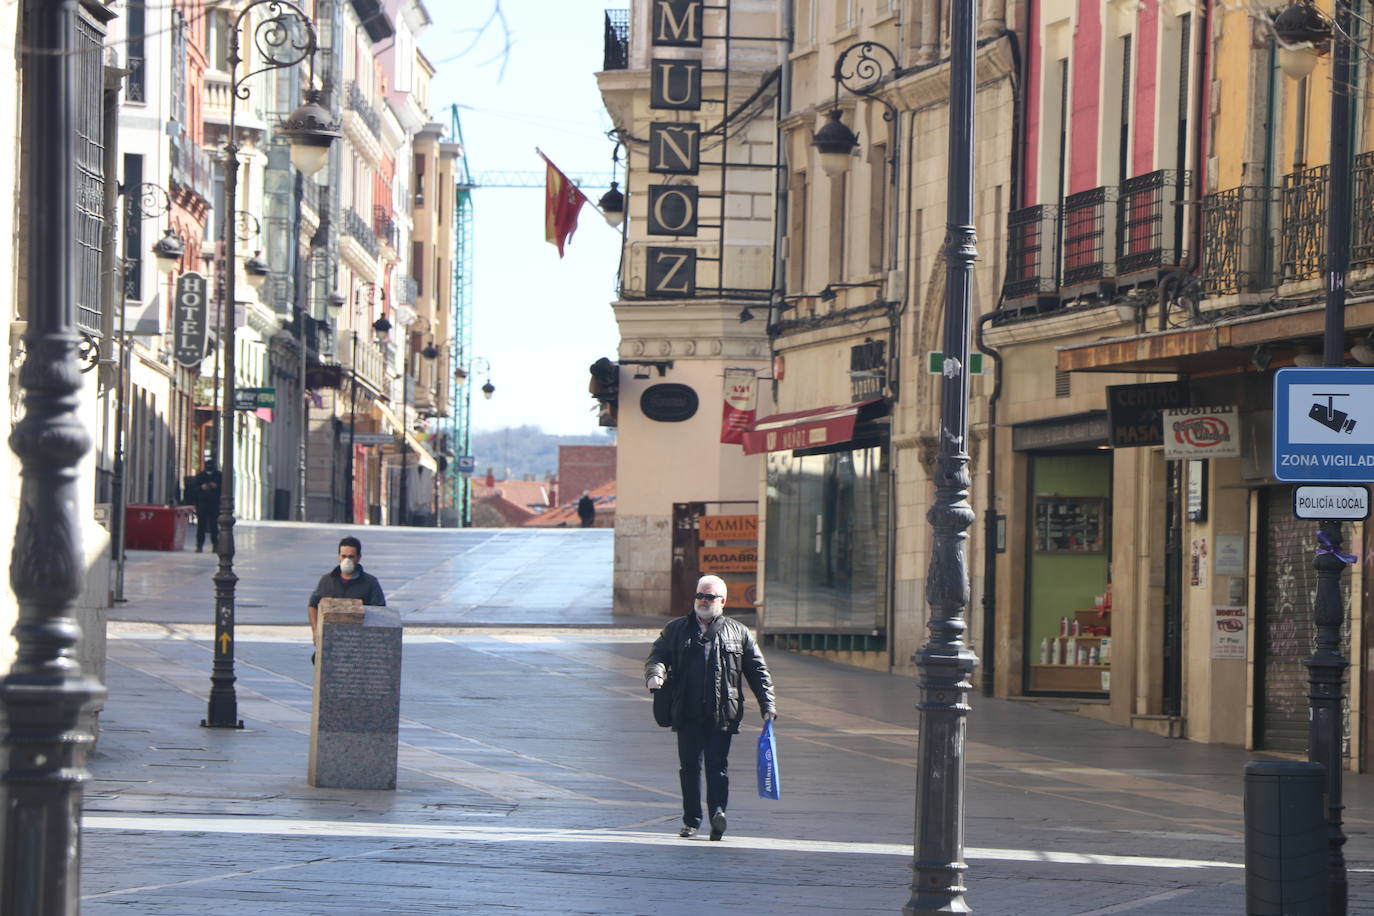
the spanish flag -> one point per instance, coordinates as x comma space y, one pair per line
562, 202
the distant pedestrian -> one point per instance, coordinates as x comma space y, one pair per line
347, 580
586, 510
703, 658
205, 496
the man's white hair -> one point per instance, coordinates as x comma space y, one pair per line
717, 581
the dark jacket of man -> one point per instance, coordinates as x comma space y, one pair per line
363, 585
586, 510
731, 657
206, 500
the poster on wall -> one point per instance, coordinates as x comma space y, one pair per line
1230, 556
1228, 632
1198, 563
741, 404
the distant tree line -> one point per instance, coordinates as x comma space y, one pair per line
517, 452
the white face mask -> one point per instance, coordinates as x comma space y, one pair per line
348, 567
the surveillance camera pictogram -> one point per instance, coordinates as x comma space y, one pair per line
1327, 415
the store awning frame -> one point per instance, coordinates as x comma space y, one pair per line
802, 429
423, 455
1225, 346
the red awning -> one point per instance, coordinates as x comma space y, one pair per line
804, 428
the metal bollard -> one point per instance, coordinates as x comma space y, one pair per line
1285, 839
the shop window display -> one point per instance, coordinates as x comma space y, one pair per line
1069, 607
826, 554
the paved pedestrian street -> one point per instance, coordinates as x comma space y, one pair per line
533, 780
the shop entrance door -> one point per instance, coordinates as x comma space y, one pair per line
1285, 631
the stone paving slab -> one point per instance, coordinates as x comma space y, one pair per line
530, 784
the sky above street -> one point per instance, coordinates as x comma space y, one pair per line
539, 320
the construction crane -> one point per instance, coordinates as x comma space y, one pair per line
461, 355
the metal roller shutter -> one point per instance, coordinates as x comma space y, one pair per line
1288, 587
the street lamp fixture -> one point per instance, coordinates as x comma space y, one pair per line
284, 38
430, 351
612, 205
168, 251
488, 390
1304, 35
382, 327
255, 270
310, 129
836, 144
334, 303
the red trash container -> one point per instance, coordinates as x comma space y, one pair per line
156, 527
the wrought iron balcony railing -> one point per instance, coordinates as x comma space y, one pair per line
358, 102
1150, 229
1089, 236
1031, 252
1302, 239
385, 226
617, 49
358, 229
1362, 214
1238, 254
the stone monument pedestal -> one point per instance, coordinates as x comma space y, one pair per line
357, 707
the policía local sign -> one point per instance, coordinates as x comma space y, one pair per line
1324, 425
1331, 502
1201, 432
189, 315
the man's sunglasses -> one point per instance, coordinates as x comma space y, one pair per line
702, 596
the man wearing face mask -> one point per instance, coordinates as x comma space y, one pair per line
704, 659
347, 580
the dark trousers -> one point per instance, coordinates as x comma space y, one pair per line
207, 523
695, 741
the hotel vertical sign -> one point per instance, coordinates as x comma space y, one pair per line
674, 148
189, 314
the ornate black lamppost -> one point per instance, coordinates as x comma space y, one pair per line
945, 662
1304, 34
283, 39
45, 692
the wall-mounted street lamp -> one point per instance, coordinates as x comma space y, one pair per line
283, 39
836, 144
1304, 36
168, 252
612, 205
256, 271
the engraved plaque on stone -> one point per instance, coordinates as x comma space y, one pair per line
357, 706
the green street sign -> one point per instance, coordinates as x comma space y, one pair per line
254, 398
936, 363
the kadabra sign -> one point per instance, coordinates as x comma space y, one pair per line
1201, 432
190, 317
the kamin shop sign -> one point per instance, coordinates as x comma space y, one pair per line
190, 313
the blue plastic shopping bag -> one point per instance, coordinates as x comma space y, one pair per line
769, 786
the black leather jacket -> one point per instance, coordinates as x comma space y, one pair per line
734, 657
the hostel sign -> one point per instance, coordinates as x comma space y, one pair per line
1201, 432
189, 314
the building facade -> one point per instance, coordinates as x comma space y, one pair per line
694, 96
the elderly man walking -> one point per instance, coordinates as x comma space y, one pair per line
703, 658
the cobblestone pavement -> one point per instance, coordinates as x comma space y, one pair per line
533, 779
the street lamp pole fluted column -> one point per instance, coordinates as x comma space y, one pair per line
1326, 667
282, 40
1303, 33
945, 663
45, 692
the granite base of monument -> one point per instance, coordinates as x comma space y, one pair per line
357, 708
